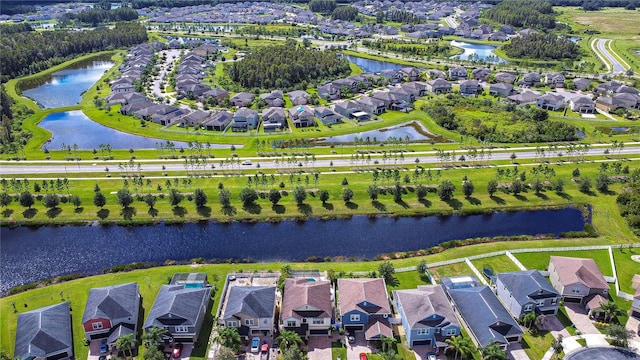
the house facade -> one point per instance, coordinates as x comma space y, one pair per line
470, 87
363, 305
111, 312
326, 115
528, 291
501, 89
250, 309
550, 101
577, 279
307, 307
438, 86
582, 105
245, 119
427, 315
302, 116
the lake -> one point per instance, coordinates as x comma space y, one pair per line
413, 130
32, 254
74, 127
372, 66
477, 52
65, 87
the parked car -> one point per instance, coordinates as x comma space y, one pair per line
351, 337
264, 352
255, 344
247, 162
431, 355
363, 356
103, 346
177, 351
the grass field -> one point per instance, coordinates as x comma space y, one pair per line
540, 260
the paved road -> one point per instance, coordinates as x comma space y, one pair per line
603, 50
337, 162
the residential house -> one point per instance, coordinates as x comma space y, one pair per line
457, 73
156, 109
216, 93
130, 109
618, 101
436, 74
530, 79
363, 82
527, 291
363, 306
121, 88
635, 305
370, 105
193, 91
427, 316
302, 116
488, 321
609, 87
555, 80
582, 105
218, 121
343, 84
299, 97
44, 333
385, 97
410, 73
244, 120
524, 98
273, 99
581, 84
501, 89
347, 108
403, 94
480, 74
273, 118
307, 307
243, 99
205, 49
326, 115
416, 88
391, 76
577, 280
194, 118
170, 117
498, 36
504, 77
329, 91
438, 86
180, 310
470, 87
250, 309
550, 101
111, 312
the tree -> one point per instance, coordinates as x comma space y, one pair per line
224, 197
99, 200
513, 157
75, 200
248, 196
150, 200
299, 194
345, 182
602, 183
26, 199
537, 187
230, 338
288, 339
153, 337
516, 187
610, 310
372, 191
445, 190
200, 198
467, 188
421, 192
422, 267
274, 196
556, 345
5, 199
51, 201
175, 197
347, 195
126, 343
492, 187
294, 353
576, 172
493, 352
324, 196
460, 345
619, 335
386, 271
558, 186
529, 318
584, 184
153, 353
387, 343
124, 198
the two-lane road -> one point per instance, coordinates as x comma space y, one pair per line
604, 51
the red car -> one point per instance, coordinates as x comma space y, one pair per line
363, 356
177, 351
264, 352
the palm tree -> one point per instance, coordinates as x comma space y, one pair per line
557, 347
529, 318
230, 338
619, 335
611, 310
387, 343
493, 352
126, 343
153, 336
459, 344
287, 339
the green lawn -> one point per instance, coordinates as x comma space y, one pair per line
626, 267
338, 351
537, 343
497, 263
540, 260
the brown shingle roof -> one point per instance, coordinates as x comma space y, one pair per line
355, 291
301, 292
585, 271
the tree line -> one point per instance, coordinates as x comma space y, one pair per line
523, 14
322, 6
97, 16
344, 13
24, 53
286, 66
542, 47
430, 49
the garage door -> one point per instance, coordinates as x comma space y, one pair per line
354, 328
421, 342
572, 300
318, 332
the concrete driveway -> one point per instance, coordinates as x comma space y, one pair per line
319, 348
555, 327
360, 345
516, 352
633, 326
580, 319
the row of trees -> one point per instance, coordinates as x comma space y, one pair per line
542, 47
523, 14
430, 49
24, 53
322, 6
96, 16
345, 13
286, 66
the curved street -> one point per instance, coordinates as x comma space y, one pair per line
604, 51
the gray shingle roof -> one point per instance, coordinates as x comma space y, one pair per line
426, 306
177, 305
525, 285
484, 314
44, 332
112, 302
256, 301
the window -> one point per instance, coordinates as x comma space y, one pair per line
554, 301
423, 331
182, 328
291, 323
97, 326
451, 332
354, 317
232, 324
541, 302
318, 321
304, 320
528, 307
575, 290
248, 322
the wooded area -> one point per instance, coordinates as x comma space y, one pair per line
523, 14
287, 67
344, 13
542, 47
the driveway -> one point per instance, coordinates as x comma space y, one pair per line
633, 326
358, 346
578, 316
516, 352
319, 348
555, 327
